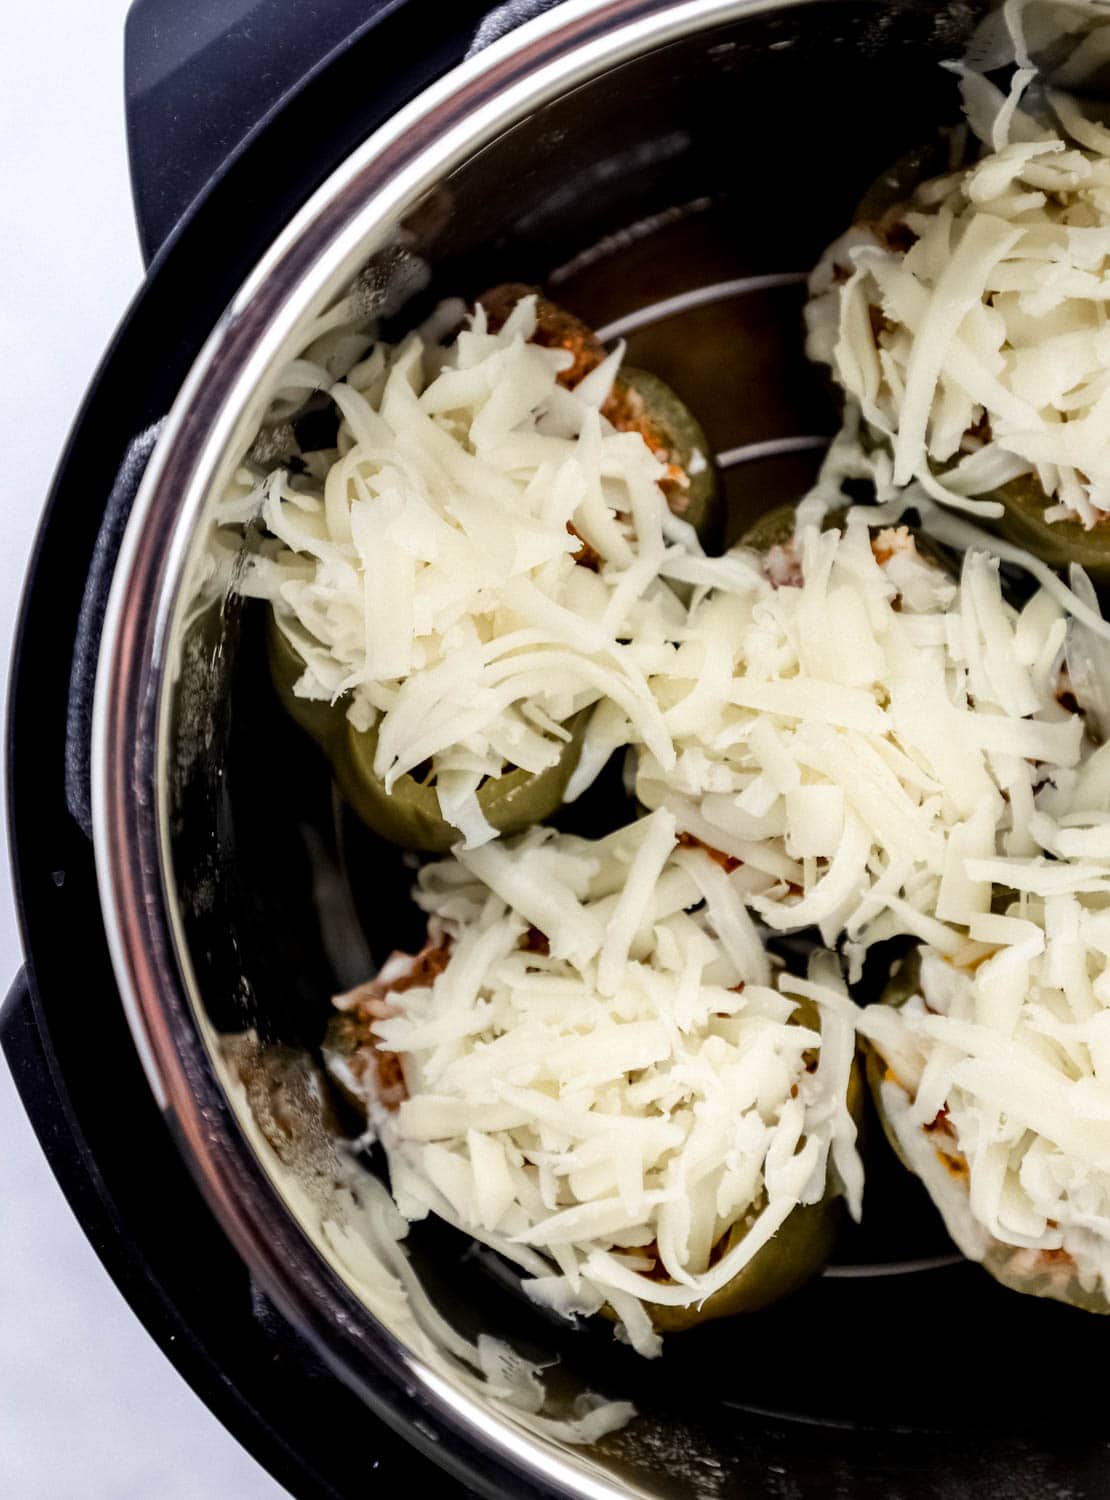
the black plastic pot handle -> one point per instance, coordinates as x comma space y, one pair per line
22, 1046
61, 1138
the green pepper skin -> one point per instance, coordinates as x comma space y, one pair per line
409, 815
776, 529
785, 1264
343, 1040
998, 1259
286, 666
792, 1257
672, 425
1057, 543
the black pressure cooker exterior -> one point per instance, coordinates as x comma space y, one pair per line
236, 111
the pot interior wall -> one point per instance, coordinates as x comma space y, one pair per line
731, 157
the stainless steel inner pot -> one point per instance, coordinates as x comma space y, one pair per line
670, 171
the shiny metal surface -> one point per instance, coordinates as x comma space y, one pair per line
468, 171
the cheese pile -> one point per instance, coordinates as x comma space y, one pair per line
999, 1078
857, 730
429, 576
968, 330
982, 352
603, 1112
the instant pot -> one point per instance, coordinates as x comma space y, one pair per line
192, 892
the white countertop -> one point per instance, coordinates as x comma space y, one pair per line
89, 1407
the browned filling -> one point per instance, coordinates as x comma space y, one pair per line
535, 941
889, 542
898, 236
586, 556
371, 1002
1065, 694
782, 566
727, 862
956, 1166
1059, 1257
624, 407
555, 328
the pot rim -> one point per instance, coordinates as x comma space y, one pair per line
320, 248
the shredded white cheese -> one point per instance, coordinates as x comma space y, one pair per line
605, 1112
998, 1089
427, 573
981, 353
607, 1076
859, 735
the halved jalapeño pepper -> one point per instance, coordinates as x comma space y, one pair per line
933, 1154
409, 814
639, 402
